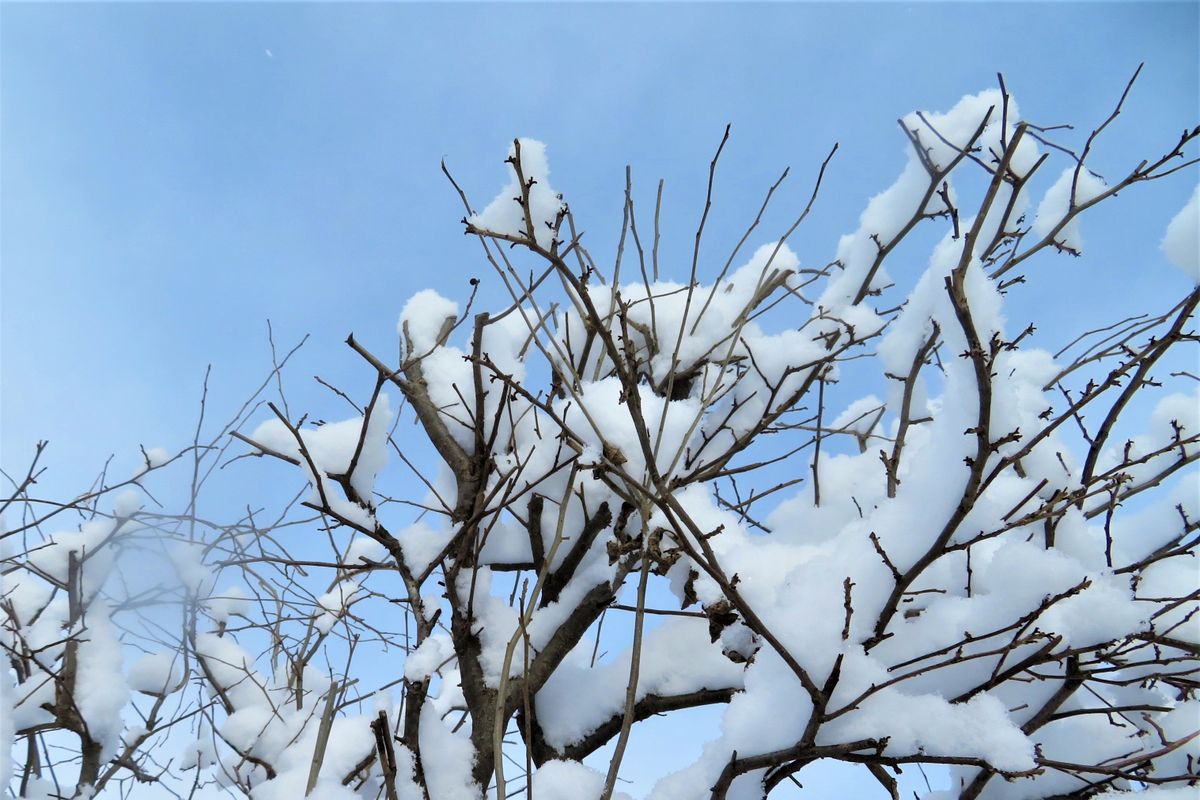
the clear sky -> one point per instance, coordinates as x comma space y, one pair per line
173, 175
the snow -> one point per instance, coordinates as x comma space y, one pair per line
423, 318
363, 550
1024, 574
1087, 739
100, 688
350, 739
336, 602
1175, 577
436, 651
127, 503
188, 560
332, 447
292, 784
447, 759
40, 789
505, 215
231, 668
601, 419
230, 602
887, 212
567, 780
979, 728
752, 722
199, 753
1181, 242
153, 458
1057, 202
267, 723
578, 698
860, 417
1177, 725
6, 718
90, 545
156, 674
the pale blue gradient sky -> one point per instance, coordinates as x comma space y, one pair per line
166, 184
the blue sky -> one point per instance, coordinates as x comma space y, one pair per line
172, 175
